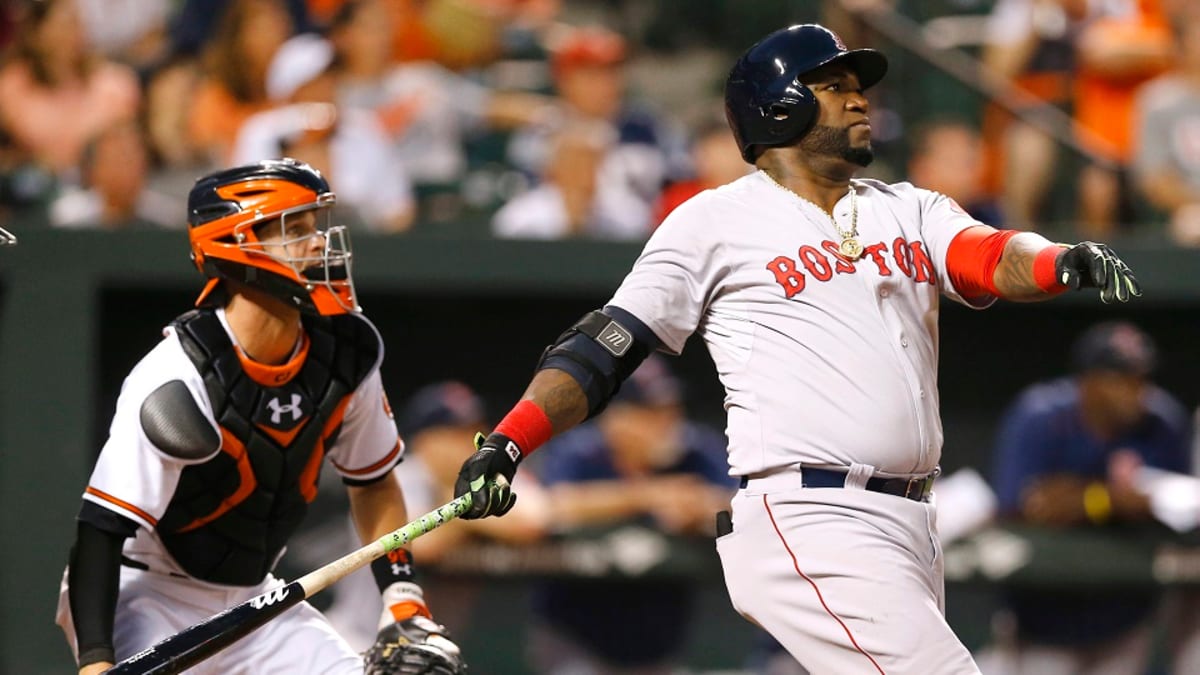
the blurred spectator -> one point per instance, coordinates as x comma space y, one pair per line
1089, 56
1117, 52
133, 32
55, 94
716, 161
113, 192
947, 157
197, 23
349, 146
26, 188
425, 107
438, 424
233, 86
1032, 44
1066, 456
569, 201
1167, 162
640, 462
589, 71
169, 93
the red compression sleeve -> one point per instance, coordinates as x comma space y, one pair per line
972, 257
527, 425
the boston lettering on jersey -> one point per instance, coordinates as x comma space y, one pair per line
908, 258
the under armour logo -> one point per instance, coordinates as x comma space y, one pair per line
277, 409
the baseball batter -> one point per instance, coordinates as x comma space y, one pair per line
817, 297
217, 442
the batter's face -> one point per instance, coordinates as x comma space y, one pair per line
842, 129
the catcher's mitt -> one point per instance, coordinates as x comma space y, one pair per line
415, 646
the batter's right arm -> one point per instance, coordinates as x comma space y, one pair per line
577, 376
1032, 268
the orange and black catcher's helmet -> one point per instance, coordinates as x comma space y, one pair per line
230, 212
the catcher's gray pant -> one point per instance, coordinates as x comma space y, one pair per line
848, 581
153, 606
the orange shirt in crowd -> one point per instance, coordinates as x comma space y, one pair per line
216, 117
1104, 101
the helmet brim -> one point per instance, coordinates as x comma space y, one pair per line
868, 64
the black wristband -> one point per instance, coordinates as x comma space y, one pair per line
394, 567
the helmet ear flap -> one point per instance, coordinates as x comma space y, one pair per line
788, 120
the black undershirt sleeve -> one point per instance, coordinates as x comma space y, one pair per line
93, 577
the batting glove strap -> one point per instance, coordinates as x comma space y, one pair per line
401, 601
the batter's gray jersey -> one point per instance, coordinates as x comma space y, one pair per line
825, 362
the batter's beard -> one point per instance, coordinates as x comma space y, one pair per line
835, 142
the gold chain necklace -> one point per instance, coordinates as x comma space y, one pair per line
850, 247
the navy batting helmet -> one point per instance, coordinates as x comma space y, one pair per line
766, 104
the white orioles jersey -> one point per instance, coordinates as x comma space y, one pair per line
134, 478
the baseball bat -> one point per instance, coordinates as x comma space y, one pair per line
200, 641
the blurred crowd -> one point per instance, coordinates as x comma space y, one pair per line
576, 118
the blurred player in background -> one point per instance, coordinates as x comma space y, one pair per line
1067, 456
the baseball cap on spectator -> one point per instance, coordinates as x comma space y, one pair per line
587, 47
652, 384
1116, 347
448, 403
298, 61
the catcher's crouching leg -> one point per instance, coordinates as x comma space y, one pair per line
414, 646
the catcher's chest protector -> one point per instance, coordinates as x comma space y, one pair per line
231, 516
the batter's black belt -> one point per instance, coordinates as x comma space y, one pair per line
916, 489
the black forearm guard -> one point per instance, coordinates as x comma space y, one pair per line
600, 351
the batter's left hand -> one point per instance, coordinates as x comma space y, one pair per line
487, 475
1091, 265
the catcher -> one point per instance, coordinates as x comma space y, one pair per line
216, 446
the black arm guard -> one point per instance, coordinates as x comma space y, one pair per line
600, 351
93, 578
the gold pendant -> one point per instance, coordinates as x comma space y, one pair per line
850, 249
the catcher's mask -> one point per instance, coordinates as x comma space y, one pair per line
268, 225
